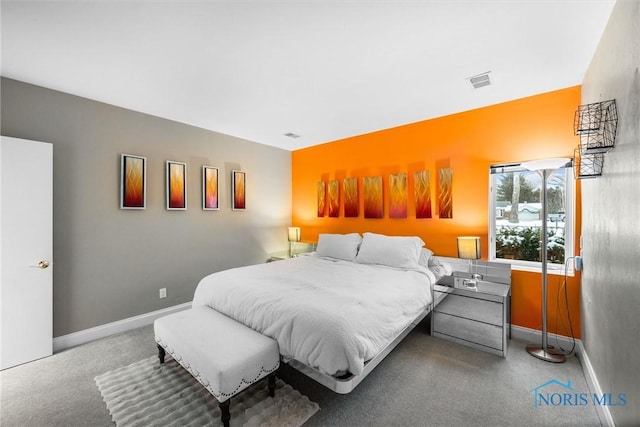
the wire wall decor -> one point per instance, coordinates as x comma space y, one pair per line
596, 125
587, 165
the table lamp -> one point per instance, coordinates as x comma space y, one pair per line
469, 248
294, 236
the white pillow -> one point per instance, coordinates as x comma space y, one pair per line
425, 257
434, 261
341, 246
439, 268
393, 251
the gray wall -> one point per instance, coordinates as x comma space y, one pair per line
109, 263
611, 220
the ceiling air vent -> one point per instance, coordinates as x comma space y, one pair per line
480, 80
292, 135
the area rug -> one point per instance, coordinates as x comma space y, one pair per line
147, 393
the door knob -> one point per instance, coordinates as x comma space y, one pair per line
43, 264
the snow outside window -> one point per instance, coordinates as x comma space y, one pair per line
515, 217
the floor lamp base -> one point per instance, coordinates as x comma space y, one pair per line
547, 355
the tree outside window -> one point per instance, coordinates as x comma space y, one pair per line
516, 222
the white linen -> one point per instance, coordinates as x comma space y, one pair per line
425, 257
329, 314
393, 251
341, 246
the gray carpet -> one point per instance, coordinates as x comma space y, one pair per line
425, 381
147, 393
429, 381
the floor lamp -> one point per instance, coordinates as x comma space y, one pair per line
544, 168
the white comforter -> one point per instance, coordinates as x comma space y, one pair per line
328, 314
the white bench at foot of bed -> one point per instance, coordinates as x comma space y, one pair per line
225, 356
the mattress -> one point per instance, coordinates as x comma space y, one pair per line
329, 314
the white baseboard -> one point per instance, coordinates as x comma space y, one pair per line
535, 336
602, 410
81, 337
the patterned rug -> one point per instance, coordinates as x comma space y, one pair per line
146, 393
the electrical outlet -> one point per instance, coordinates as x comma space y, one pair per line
579, 263
163, 292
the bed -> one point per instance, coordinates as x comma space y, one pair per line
337, 312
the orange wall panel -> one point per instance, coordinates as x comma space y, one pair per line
531, 128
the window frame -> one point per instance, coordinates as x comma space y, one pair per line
569, 223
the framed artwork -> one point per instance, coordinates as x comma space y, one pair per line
238, 190
422, 191
373, 198
398, 195
321, 188
334, 198
133, 182
350, 191
445, 193
176, 185
210, 199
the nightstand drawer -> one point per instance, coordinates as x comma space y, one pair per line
472, 308
468, 330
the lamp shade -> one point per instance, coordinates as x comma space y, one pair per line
469, 247
545, 164
294, 234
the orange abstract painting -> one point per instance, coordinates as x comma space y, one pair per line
445, 193
238, 201
210, 188
350, 191
398, 195
422, 191
321, 188
176, 185
334, 198
133, 177
373, 198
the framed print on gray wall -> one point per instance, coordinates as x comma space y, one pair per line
133, 182
238, 191
176, 185
210, 199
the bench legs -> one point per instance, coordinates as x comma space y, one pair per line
272, 384
225, 415
161, 353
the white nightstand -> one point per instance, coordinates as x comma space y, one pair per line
474, 313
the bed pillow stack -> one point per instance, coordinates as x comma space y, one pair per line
340, 246
392, 251
426, 258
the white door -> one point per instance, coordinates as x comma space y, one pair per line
26, 251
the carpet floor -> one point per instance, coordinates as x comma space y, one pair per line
425, 381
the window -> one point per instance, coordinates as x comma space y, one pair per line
516, 217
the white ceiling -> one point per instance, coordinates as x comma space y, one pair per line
324, 70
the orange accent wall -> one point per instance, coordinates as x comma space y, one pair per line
531, 128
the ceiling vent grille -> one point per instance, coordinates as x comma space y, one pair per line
292, 135
480, 80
